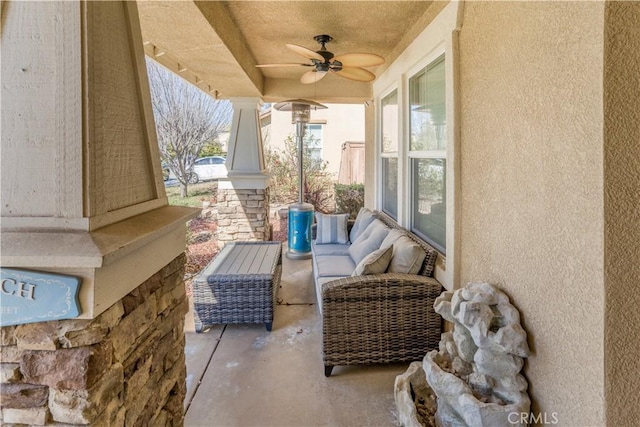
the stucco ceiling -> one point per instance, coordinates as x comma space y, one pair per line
216, 44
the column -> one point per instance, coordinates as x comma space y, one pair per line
243, 196
83, 206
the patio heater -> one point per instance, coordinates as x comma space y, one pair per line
301, 213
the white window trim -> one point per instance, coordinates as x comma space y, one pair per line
432, 57
438, 38
391, 154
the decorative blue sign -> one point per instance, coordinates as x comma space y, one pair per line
29, 297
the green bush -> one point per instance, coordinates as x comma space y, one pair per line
349, 198
283, 168
212, 148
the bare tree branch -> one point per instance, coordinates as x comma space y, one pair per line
186, 119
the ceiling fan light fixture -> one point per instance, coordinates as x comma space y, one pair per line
347, 65
312, 76
323, 39
322, 67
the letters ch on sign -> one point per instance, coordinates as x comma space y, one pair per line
30, 296
18, 289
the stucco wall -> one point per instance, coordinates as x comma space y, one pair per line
532, 187
344, 122
622, 211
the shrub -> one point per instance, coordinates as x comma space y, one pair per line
283, 168
212, 148
349, 198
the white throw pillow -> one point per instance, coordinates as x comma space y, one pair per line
374, 263
364, 218
368, 241
391, 238
407, 257
331, 229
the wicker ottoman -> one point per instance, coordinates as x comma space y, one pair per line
239, 285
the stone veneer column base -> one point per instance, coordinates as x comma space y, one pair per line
125, 367
243, 214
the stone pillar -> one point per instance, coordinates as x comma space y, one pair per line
83, 196
243, 214
243, 196
124, 367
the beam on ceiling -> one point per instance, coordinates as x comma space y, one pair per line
332, 89
218, 16
180, 30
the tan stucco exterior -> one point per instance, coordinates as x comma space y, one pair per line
341, 123
532, 187
547, 186
622, 211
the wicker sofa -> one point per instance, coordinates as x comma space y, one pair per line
375, 318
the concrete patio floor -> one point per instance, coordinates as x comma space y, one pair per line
242, 375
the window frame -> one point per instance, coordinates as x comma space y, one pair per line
390, 154
440, 36
431, 62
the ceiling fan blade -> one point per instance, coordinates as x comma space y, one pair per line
357, 74
312, 76
359, 59
307, 53
283, 65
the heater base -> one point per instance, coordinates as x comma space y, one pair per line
298, 255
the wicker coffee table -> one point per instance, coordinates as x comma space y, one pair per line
239, 285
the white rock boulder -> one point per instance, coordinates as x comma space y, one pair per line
475, 375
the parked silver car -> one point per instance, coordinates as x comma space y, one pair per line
207, 168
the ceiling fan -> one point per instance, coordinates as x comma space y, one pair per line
347, 65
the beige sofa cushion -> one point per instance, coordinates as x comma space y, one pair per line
393, 235
374, 263
363, 219
368, 241
407, 256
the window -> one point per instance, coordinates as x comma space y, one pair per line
390, 186
428, 201
425, 158
427, 153
389, 154
313, 141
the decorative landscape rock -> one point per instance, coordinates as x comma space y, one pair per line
415, 401
475, 375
